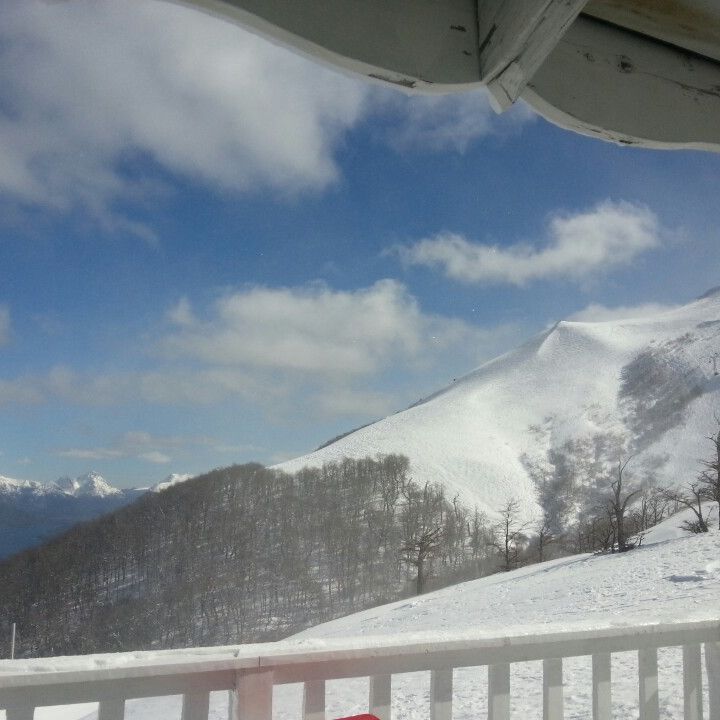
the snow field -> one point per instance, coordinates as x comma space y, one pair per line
663, 581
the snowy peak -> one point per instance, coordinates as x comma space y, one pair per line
91, 484
169, 481
67, 485
11, 485
94, 485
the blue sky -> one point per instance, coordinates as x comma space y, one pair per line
213, 250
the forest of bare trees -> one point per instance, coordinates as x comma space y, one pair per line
247, 553
242, 554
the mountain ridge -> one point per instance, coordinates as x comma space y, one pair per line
645, 384
31, 512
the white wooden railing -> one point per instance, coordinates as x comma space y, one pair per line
249, 673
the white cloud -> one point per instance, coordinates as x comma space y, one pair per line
90, 85
577, 245
91, 454
600, 313
433, 123
309, 349
310, 329
156, 457
4, 325
142, 446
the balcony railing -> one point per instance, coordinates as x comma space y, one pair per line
250, 672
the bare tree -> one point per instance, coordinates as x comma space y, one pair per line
509, 535
418, 551
545, 535
692, 499
709, 477
619, 501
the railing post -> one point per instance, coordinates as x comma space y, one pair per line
113, 710
314, 700
601, 690
196, 706
552, 689
20, 713
441, 688
692, 683
499, 692
648, 684
252, 697
380, 696
712, 665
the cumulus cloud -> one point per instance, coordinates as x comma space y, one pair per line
576, 246
601, 313
4, 325
310, 329
330, 351
97, 93
433, 123
91, 85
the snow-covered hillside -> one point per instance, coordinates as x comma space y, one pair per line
669, 580
648, 383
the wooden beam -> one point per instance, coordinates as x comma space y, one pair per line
601, 686
380, 700
609, 83
553, 689
441, 690
515, 38
314, 700
416, 44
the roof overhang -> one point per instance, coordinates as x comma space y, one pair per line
641, 72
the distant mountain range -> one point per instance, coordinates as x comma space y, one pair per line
32, 512
572, 399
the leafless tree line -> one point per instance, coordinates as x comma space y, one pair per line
242, 554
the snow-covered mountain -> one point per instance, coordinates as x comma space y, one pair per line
91, 484
646, 386
31, 512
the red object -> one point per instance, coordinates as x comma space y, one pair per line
367, 716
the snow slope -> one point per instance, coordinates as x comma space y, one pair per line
667, 581
650, 380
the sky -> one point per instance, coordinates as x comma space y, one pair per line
213, 250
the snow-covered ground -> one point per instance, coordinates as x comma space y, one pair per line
664, 580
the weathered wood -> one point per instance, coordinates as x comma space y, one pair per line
412, 43
20, 713
601, 686
252, 697
499, 692
380, 699
196, 706
441, 688
712, 665
552, 689
609, 83
115, 710
314, 700
692, 683
515, 38
648, 684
